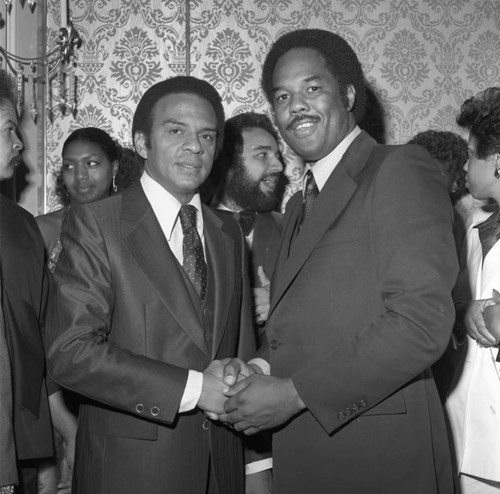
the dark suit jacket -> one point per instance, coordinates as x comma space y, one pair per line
124, 331
24, 283
360, 308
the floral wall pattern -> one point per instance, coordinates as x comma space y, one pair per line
422, 58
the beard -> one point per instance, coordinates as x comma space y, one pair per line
247, 193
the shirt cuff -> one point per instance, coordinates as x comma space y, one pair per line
258, 466
192, 391
262, 365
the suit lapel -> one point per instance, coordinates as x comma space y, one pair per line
333, 198
220, 249
292, 217
146, 242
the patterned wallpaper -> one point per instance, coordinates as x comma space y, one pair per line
422, 58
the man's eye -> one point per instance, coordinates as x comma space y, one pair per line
92, 163
281, 97
208, 137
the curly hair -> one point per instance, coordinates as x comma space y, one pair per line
340, 59
129, 168
7, 91
481, 116
451, 150
144, 113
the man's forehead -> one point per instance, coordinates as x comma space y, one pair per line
257, 137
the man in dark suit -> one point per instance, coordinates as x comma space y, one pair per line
25, 427
251, 184
147, 296
360, 298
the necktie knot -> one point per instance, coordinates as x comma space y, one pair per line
187, 215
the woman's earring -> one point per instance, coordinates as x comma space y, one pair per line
115, 188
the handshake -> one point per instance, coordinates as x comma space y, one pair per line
238, 394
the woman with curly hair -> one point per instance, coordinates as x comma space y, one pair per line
94, 167
474, 403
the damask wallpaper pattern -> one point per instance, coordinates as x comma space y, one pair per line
422, 58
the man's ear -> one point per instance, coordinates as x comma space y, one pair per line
350, 96
140, 145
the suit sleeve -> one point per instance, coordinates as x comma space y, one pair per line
413, 261
81, 356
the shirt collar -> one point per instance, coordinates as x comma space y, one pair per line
324, 167
166, 207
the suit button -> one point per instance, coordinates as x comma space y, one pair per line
205, 424
363, 404
139, 408
208, 335
341, 416
348, 412
274, 344
355, 408
155, 411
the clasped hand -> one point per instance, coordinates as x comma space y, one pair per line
482, 320
251, 402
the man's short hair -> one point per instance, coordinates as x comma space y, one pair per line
449, 149
341, 61
144, 113
7, 91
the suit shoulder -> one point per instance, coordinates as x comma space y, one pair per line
12, 215
14, 209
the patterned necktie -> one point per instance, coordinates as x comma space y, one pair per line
310, 194
192, 250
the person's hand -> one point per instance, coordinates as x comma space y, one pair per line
261, 296
475, 324
491, 316
212, 399
236, 369
259, 482
261, 402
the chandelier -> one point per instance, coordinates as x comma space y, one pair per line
57, 65
31, 4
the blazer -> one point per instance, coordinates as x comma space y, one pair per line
475, 398
124, 330
24, 296
360, 308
